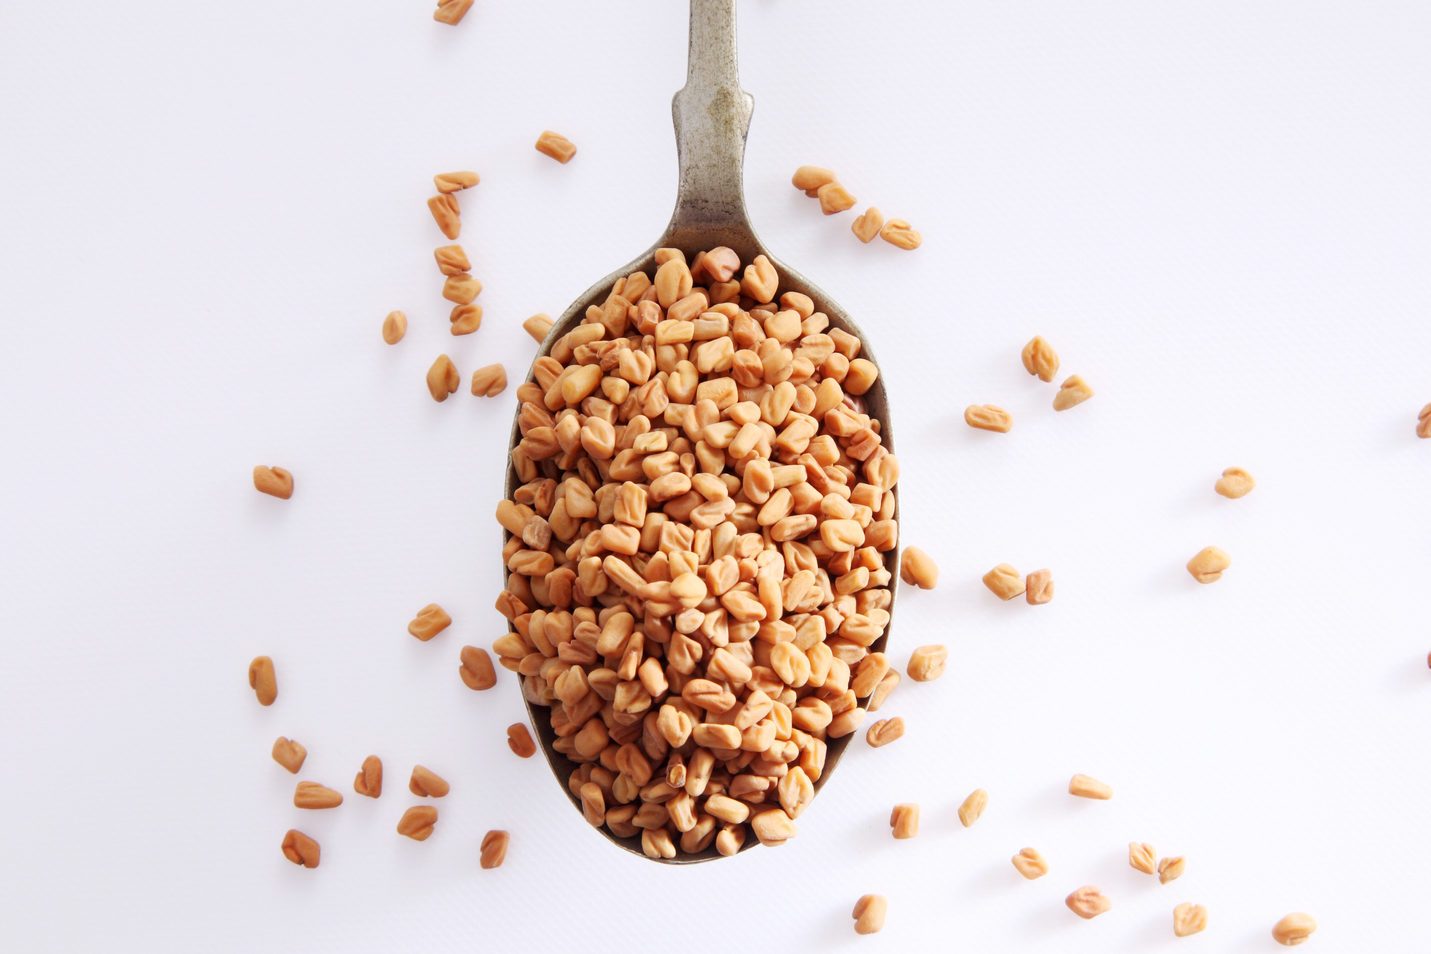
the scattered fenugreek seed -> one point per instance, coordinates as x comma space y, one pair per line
927, 662
904, 821
494, 848
300, 849
476, 669
447, 214
901, 234
465, 319
451, 12
519, 740
442, 378
1142, 857
289, 753
537, 326
867, 224
1005, 582
455, 181
917, 568
1207, 564
1171, 869
314, 796
885, 687
452, 260
1235, 482
263, 680
274, 481
1423, 422
556, 146
1189, 919
1029, 863
417, 822
489, 381
834, 198
988, 417
1073, 391
369, 780
461, 289
1038, 587
429, 621
394, 327
1087, 902
973, 807
1085, 786
869, 913
808, 179
427, 783
884, 732
1040, 359
1294, 929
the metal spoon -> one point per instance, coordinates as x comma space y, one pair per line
712, 115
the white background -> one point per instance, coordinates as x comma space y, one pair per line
1216, 210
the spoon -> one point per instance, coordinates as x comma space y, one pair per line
712, 117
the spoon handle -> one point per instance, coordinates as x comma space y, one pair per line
712, 115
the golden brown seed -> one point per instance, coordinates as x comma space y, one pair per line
315, 796
289, 754
901, 234
869, 913
1073, 391
537, 326
465, 319
1189, 919
430, 620
452, 260
1004, 581
1142, 857
772, 827
917, 568
808, 179
447, 215
1234, 482
494, 848
369, 780
442, 378
417, 822
1085, 786
489, 381
1040, 359
860, 377
973, 807
1171, 869
519, 740
1423, 422
556, 146
834, 198
394, 327
263, 680
1038, 588
882, 691
1087, 902
867, 224
426, 783
454, 181
988, 417
1294, 929
274, 481
884, 732
927, 662
451, 12
904, 821
1207, 564
461, 289
476, 669
300, 849
1029, 863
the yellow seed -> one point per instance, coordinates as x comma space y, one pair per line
1189, 919
454, 181
394, 327
1294, 929
556, 146
1207, 564
1085, 786
973, 807
1040, 359
867, 224
900, 234
1004, 581
1235, 482
988, 417
1073, 391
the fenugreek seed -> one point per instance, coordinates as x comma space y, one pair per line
834, 198
489, 381
1171, 869
537, 326
289, 754
494, 848
315, 796
1029, 863
973, 807
1142, 857
867, 224
369, 780
274, 481
808, 179
394, 327
262, 680
882, 691
1423, 422
927, 662
1189, 919
1293, 929
917, 568
519, 740
454, 181
1087, 902
465, 319
869, 913
426, 783
884, 732
1085, 786
1073, 391
556, 146
1234, 482
772, 827
901, 234
418, 822
300, 849
461, 289
988, 417
1207, 564
476, 669
1040, 359
452, 260
429, 621
1039, 587
904, 821
1004, 581
447, 215
451, 12
442, 378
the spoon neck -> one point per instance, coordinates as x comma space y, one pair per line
712, 117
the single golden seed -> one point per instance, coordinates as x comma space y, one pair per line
973, 807
1073, 391
867, 224
1171, 869
901, 234
556, 146
394, 327
1085, 786
442, 378
274, 481
1039, 587
1088, 902
1029, 863
1235, 482
429, 621
454, 181
1040, 359
1207, 565
1189, 919
1005, 582
869, 913
1142, 857
538, 326
988, 417
1294, 929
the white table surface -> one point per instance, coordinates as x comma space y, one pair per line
1217, 211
